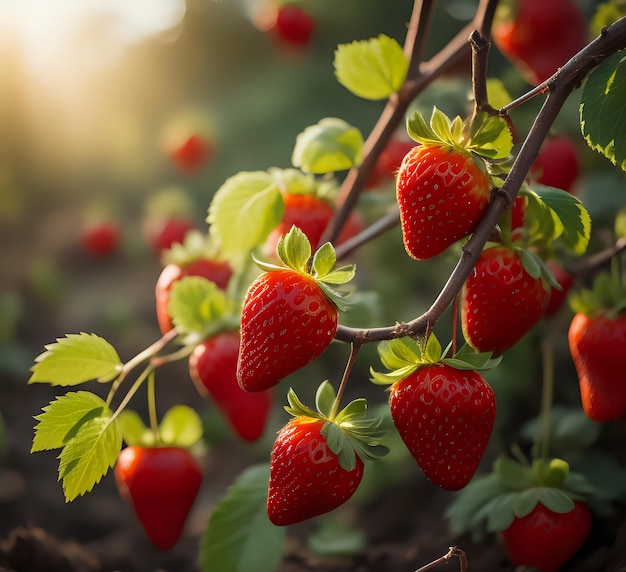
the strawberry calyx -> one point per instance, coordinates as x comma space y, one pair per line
195, 246
294, 251
606, 297
485, 137
491, 502
348, 432
404, 356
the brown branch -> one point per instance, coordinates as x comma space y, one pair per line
561, 84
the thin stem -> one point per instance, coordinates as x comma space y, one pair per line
480, 56
453, 552
142, 356
374, 230
541, 445
131, 392
354, 352
154, 422
182, 353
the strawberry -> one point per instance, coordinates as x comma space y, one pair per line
557, 163
316, 462
547, 539
441, 187
161, 484
444, 415
294, 26
289, 314
171, 231
191, 153
538, 37
500, 300
213, 368
101, 238
195, 258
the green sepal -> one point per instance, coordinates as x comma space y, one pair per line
180, 426
195, 246
490, 136
607, 296
134, 431
537, 268
441, 131
294, 252
348, 432
404, 356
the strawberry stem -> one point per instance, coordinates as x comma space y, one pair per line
453, 552
131, 392
354, 351
154, 423
542, 440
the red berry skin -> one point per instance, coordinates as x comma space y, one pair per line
546, 539
192, 153
161, 485
442, 196
294, 26
557, 297
213, 369
287, 322
500, 301
445, 417
557, 163
541, 36
597, 345
174, 231
217, 271
306, 479
101, 239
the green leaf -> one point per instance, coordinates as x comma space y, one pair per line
244, 210
467, 358
181, 426
297, 408
88, 456
75, 359
432, 352
324, 261
196, 305
372, 69
328, 146
602, 111
334, 538
339, 276
400, 352
606, 13
325, 398
61, 420
294, 249
490, 136
421, 131
239, 536
497, 94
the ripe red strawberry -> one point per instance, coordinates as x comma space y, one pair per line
171, 231
388, 162
306, 479
293, 25
500, 300
191, 153
196, 257
161, 484
538, 37
316, 462
289, 314
101, 238
441, 190
312, 215
546, 539
557, 163
213, 369
597, 344
444, 414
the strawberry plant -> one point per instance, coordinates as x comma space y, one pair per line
263, 301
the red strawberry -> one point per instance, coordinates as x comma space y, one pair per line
537, 36
101, 238
557, 297
213, 368
557, 163
306, 479
441, 191
293, 25
500, 300
547, 539
316, 462
161, 484
597, 344
191, 153
388, 162
171, 231
289, 315
444, 414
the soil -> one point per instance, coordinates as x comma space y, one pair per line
404, 526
